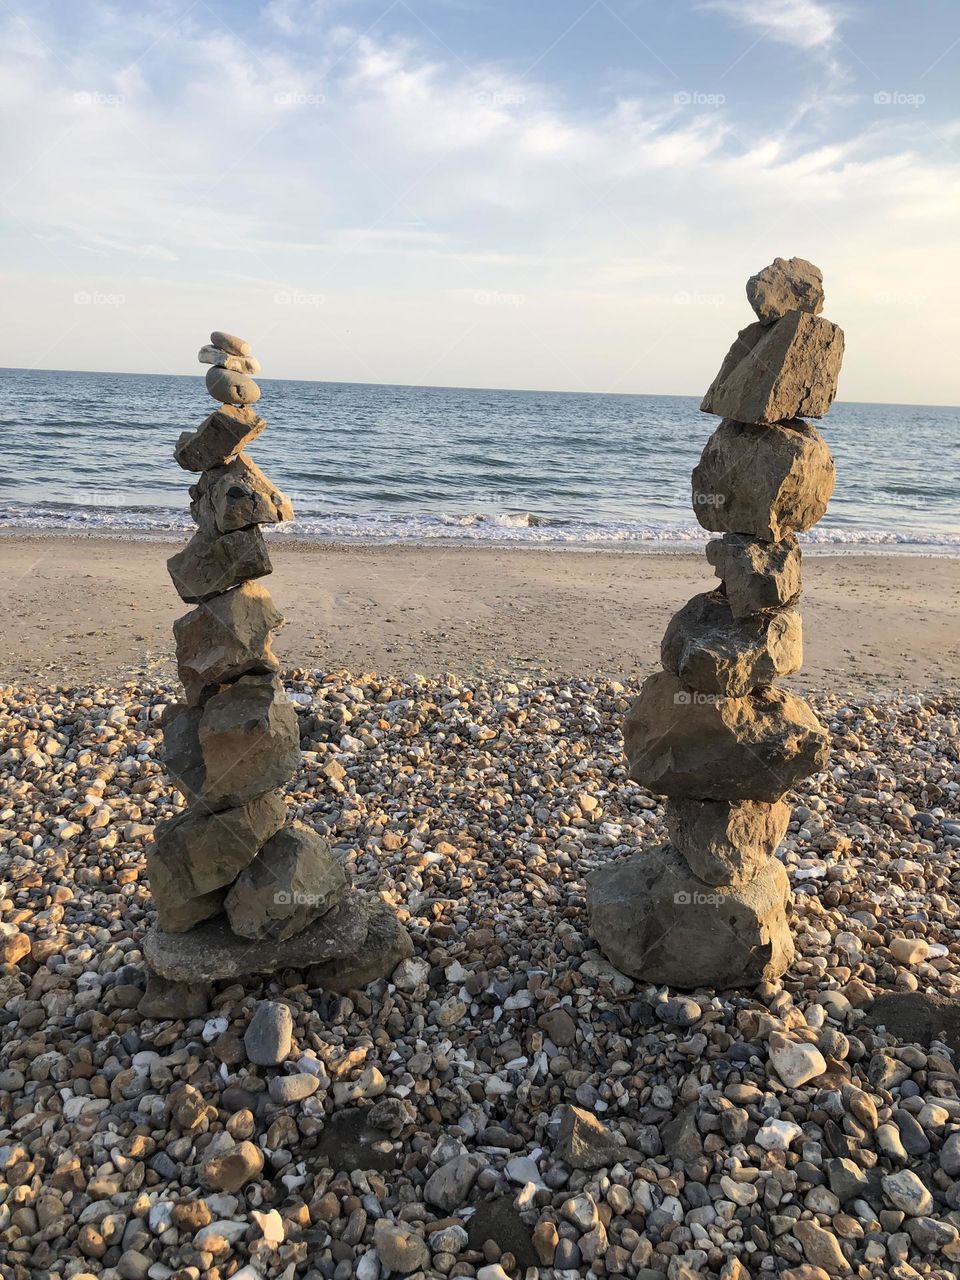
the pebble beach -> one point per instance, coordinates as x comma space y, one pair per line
505, 1102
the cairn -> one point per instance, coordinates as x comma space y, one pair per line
711, 731
238, 888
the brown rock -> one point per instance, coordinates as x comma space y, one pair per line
756, 576
211, 563
230, 343
226, 637
788, 284
236, 495
656, 921
230, 387
764, 482
772, 373
293, 880
239, 364
232, 1170
218, 438
726, 842
584, 1142
683, 743
821, 1248
713, 652
179, 1000
179, 911
243, 742
14, 947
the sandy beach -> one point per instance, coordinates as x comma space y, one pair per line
90, 610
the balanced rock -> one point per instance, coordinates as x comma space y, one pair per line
683, 743
231, 388
218, 438
244, 741
776, 372
199, 851
238, 364
293, 880
212, 563
713, 652
230, 343
756, 576
765, 482
177, 909
661, 924
236, 495
226, 637
788, 284
726, 841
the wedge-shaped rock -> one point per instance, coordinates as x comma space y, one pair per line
199, 851
293, 880
680, 742
244, 741
212, 563
788, 284
756, 576
657, 922
230, 387
226, 637
178, 910
218, 438
236, 495
726, 842
764, 482
775, 372
238, 364
714, 652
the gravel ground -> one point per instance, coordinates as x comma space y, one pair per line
507, 1104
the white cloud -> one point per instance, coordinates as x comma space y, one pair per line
807, 24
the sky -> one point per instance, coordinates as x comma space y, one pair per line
554, 194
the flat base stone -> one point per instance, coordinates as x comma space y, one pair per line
338, 940
656, 921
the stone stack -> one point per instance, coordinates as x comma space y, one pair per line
711, 731
237, 887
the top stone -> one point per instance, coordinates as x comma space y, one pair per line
788, 284
230, 343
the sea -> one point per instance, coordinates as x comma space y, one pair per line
93, 453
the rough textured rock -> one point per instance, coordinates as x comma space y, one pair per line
756, 576
230, 387
238, 364
765, 482
212, 563
166, 999
713, 652
584, 1142
726, 842
178, 910
218, 438
681, 743
230, 343
237, 495
776, 372
198, 852
385, 944
226, 637
293, 879
660, 923
243, 742
788, 284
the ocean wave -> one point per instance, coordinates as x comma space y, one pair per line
515, 528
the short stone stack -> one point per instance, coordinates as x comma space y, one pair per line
711, 731
239, 889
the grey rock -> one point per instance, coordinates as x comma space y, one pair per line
681, 1137
764, 482
448, 1187
930, 1235
950, 1155
385, 943
236, 495
776, 372
681, 743
286, 1090
657, 922
212, 563
229, 342
905, 1191
243, 742
399, 1247
847, 1180
230, 387
269, 1037
714, 652
679, 1011
584, 1142
210, 354
180, 1000
226, 637
787, 284
756, 575
726, 842
914, 1140
293, 880
219, 438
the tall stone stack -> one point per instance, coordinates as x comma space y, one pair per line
711, 731
238, 888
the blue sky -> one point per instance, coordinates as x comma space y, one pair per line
544, 194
